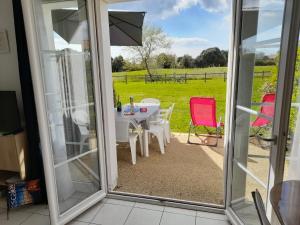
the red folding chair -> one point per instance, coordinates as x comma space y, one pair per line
267, 108
203, 113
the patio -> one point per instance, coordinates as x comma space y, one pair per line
185, 171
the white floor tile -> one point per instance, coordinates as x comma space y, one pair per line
77, 223
206, 221
37, 219
140, 216
15, 217
119, 202
211, 215
43, 211
149, 206
111, 214
118, 212
177, 219
180, 211
38, 209
90, 214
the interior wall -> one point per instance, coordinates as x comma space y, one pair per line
9, 69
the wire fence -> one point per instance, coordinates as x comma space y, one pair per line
180, 78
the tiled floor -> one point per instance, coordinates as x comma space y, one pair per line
117, 212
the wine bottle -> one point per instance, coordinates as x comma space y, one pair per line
119, 105
131, 105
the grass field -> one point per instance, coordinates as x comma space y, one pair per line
180, 93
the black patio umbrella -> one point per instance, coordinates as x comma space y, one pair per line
125, 28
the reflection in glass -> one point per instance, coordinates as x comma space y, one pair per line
69, 95
292, 162
84, 176
244, 207
255, 102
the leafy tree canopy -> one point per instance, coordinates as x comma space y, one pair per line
211, 57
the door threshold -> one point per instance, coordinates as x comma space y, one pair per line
169, 202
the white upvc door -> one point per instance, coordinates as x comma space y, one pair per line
256, 150
63, 50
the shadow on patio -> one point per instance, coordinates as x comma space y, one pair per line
185, 171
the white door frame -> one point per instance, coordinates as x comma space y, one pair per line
290, 33
286, 70
230, 105
106, 83
109, 125
36, 69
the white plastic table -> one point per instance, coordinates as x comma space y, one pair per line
140, 117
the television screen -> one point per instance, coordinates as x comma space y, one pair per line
9, 113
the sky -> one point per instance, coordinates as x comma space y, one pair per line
191, 25
195, 25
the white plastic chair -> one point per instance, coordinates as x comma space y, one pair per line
157, 131
164, 122
151, 100
81, 118
167, 128
128, 131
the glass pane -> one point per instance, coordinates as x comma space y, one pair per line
68, 88
255, 102
244, 207
84, 177
292, 159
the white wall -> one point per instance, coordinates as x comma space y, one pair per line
9, 70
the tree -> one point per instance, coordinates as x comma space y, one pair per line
179, 59
118, 64
153, 39
132, 66
225, 54
264, 60
186, 61
199, 61
211, 57
165, 61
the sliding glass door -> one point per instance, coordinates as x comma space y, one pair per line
292, 153
255, 104
64, 62
260, 104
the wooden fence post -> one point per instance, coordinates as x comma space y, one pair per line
224, 76
263, 75
165, 78
205, 77
126, 79
145, 78
185, 78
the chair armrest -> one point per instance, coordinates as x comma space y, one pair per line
157, 121
137, 127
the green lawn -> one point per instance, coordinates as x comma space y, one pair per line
180, 93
